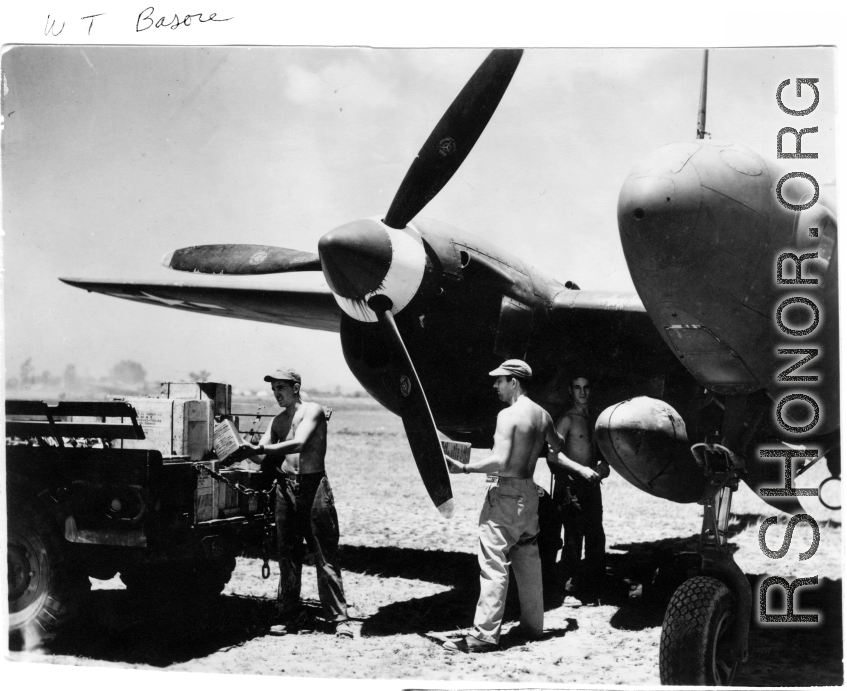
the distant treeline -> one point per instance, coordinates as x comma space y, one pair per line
126, 377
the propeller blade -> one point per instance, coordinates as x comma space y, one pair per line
417, 418
241, 260
454, 136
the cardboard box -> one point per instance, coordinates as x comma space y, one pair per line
227, 439
457, 450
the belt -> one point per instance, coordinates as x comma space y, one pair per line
497, 480
295, 479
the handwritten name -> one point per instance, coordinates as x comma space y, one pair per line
145, 20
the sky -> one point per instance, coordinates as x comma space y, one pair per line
116, 155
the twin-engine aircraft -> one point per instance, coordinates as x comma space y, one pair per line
425, 310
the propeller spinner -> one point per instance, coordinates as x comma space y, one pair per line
375, 267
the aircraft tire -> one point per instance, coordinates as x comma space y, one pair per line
46, 589
698, 624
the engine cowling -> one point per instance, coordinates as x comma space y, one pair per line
645, 441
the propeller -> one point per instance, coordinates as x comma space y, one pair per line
241, 260
454, 136
440, 157
417, 416
380, 265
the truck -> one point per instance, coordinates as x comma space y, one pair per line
130, 487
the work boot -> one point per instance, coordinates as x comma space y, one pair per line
343, 629
469, 644
293, 621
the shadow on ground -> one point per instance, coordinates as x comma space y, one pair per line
779, 654
797, 654
118, 627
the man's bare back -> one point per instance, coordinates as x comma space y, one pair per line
522, 429
529, 424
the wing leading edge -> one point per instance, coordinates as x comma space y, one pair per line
303, 308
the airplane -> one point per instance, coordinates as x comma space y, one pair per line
424, 310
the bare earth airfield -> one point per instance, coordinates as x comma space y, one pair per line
408, 572
107, 174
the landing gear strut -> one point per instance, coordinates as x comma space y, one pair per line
704, 633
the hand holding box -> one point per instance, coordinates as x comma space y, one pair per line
227, 439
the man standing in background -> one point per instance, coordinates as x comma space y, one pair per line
578, 500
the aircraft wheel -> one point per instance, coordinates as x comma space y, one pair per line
696, 634
45, 588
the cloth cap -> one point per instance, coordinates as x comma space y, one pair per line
513, 368
283, 374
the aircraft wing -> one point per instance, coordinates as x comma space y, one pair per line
599, 300
609, 332
304, 308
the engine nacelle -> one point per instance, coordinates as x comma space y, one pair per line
704, 238
644, 440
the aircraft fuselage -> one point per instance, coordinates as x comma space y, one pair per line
477, 305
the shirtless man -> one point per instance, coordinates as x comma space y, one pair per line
578, 499
508, 525
295, 446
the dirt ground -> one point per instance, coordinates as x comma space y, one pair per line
408, 572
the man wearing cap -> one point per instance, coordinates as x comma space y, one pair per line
295, 446
508, 524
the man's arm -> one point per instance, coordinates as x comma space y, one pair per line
311, 418
251, 451
555, 438
562, 462
572, 468
602, 467
271, 447
498, 459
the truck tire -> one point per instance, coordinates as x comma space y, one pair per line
203, 578
698, 624
45, 588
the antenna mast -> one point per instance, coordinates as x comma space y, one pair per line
701, 114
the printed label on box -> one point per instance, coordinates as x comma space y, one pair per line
457, 450
227, 439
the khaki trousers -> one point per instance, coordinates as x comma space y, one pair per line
508, 532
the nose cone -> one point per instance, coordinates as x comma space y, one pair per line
355, 258
645, 440
658, 207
